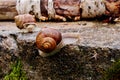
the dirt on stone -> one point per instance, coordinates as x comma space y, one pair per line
87, 60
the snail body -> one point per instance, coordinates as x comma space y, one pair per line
48, 40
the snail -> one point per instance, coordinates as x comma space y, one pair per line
25, 22
49, 41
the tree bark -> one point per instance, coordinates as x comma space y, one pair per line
65, 8
7, 9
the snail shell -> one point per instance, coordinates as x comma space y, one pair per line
22, 20
48, 39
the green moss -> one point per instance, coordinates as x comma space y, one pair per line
113, 73
16, 72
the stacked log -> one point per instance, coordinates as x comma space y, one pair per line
59, 9
7, 9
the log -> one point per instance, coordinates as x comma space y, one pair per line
7, 9
58, 9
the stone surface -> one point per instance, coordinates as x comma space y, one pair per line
98, 48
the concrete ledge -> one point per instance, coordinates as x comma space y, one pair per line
98, 48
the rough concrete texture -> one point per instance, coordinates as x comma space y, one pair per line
98, 48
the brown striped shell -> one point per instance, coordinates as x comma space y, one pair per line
47, 39
23, 19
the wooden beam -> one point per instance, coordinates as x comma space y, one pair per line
7, 9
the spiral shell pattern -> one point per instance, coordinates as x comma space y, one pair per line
48, 39
20, 20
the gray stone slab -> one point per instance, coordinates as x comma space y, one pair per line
98, 48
